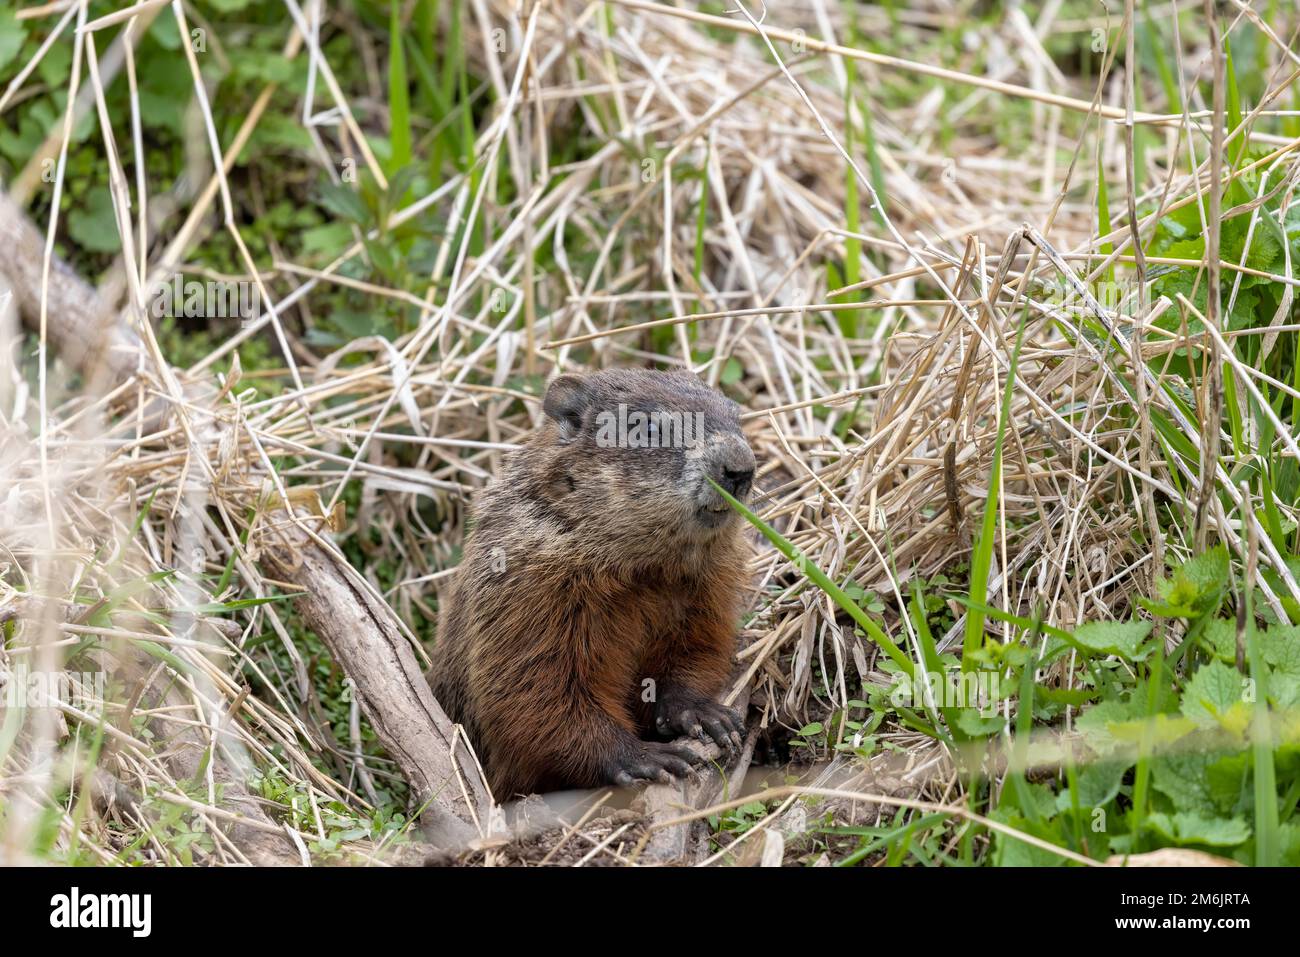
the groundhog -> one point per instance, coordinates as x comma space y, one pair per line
600, 592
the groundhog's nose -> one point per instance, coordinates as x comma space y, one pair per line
733, 466
737, 481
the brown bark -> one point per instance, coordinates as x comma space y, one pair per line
83, 328
363, 637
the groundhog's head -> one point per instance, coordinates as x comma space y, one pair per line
629, 447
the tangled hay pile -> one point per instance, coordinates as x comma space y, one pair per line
153, 528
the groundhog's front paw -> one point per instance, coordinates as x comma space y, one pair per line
650, 761
684, 712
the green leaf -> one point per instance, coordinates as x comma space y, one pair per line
344, 201
1160, 729
732, 371
1120, 638
1207, 573
278, 133
1211, 693
260, 66
1280, 645
18, 144
163, 111
1098, 784
166, 34
12, 34
327, 240
1289, 844
1067, 697
1009, 851
1220, 637
977, 725
356, 325
1228, 781
399, 184
1097, 721
1183, 779
93, 225
1194, 589
1184, 828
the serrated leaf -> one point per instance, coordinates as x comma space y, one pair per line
1196, 587
1228, 782
1289, 843
1220, 637
1159, 730
1067, 697
1211, 693
1120, 638
1185, 828
1280, 645
1096, 723
1182, 778
1098, 784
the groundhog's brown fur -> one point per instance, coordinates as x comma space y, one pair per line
600, 591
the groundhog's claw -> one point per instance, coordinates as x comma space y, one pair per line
652, 761
701, 718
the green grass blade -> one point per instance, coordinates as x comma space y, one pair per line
399, 103
819, 578
983, 556
1268, 843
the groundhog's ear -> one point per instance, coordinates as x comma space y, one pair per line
566, 402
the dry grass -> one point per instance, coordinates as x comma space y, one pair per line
875, 434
